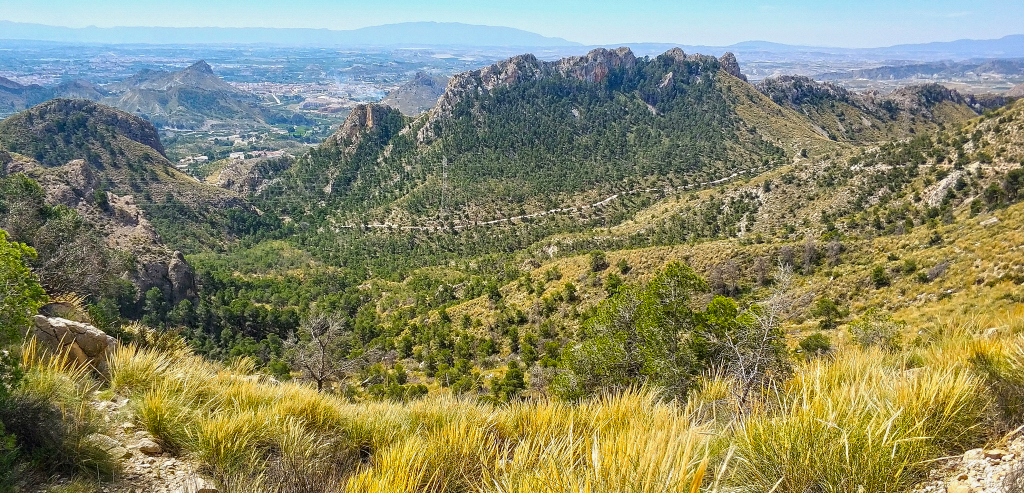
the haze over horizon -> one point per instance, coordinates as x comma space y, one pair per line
873, 23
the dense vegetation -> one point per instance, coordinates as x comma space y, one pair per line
536, 144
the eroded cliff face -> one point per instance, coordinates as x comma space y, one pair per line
123, 225
111, 178
363, 117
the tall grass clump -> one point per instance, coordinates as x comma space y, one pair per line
860, 423
51, 416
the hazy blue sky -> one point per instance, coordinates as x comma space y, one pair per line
852, 23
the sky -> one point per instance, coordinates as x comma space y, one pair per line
852, 23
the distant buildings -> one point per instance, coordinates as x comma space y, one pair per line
193, 160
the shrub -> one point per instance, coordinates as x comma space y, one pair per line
878, 329
816, 344
879, 277
598, 261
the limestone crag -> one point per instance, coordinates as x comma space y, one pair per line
795, 90
362, 118
731, 66
594, 67
87, 345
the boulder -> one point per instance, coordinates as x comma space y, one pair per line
149, 447
86, 344
111, 447
995, 453
197, 485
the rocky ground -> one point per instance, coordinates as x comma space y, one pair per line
998, 469
145, 466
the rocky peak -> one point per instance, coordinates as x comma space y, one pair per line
362, 118
596, 65
795, 90
731, 66
676, 54
200, 67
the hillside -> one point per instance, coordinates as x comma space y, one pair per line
895, 351
416, 96
108, 168
191, 98
602, 273
16, 97
844, 115
530, 135
945, 69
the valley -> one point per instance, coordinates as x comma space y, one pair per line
482, 270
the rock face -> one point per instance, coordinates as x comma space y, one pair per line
362, 118
593, 67
731, 66
1016, 92
86, 344
596, 65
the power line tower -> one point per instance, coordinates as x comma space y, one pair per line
444, 181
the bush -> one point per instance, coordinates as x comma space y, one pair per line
816, 344
878, 329
879, 277
598, 261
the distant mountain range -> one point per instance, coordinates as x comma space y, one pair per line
404, 34
944, 70
193, 97
458, 34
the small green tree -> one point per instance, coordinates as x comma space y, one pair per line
20, 292
829, 312
598, 261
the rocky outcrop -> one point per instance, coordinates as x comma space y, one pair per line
173, 276
595, 66
181, 277
250, 176
731, 66
82, 343
795, 90
362, 118
922, 97
1016, 92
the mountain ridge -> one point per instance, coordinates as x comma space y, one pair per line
409, 33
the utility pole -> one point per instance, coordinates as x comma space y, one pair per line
444, 180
